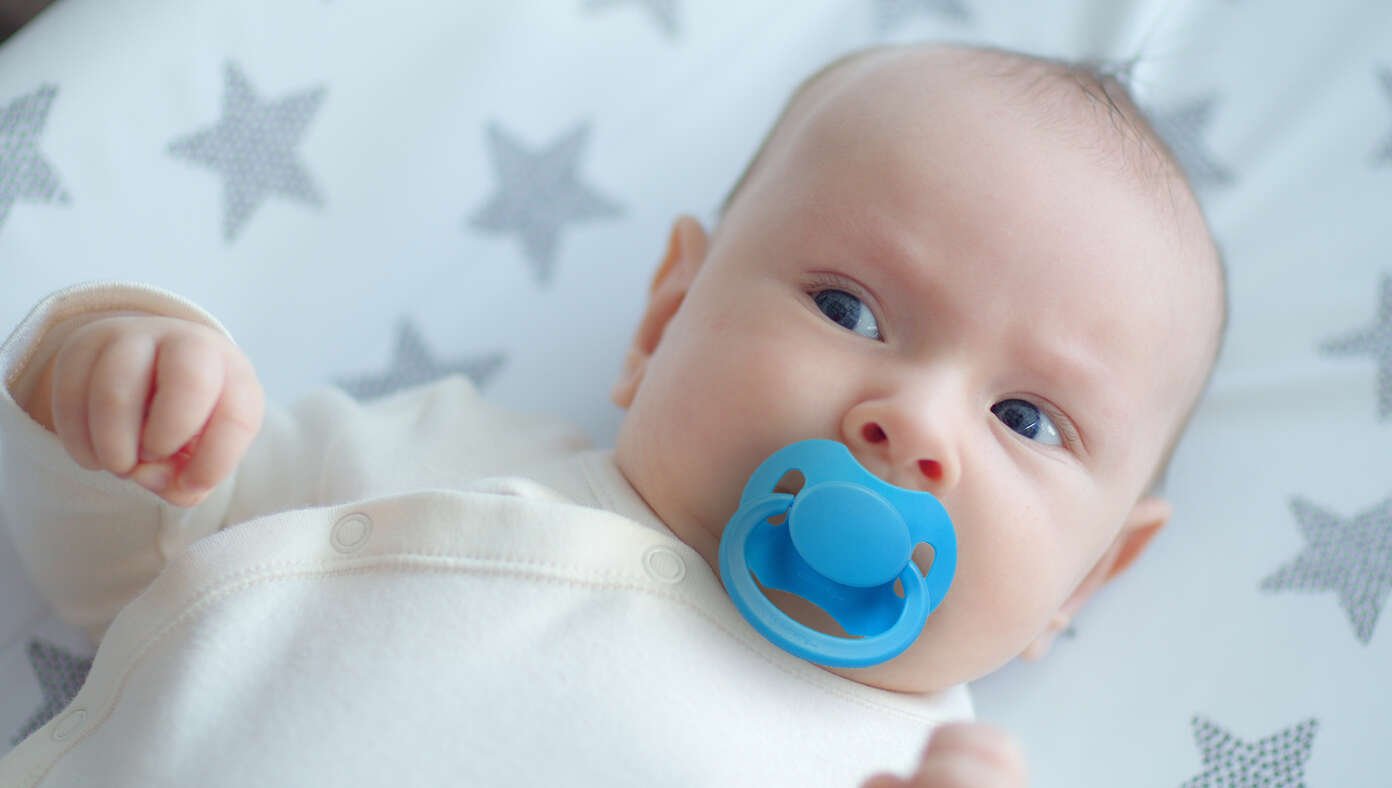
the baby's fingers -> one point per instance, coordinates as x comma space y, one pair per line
72, 374
964, 755
219, 448
117, 394
188, 381
971, 755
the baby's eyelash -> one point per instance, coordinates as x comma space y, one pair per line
826, 280
1071, 439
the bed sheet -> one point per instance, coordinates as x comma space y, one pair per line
484, 189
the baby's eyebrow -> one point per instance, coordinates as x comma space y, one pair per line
1078, 382
1068, 367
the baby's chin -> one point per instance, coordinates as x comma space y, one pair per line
908, 673
917, 672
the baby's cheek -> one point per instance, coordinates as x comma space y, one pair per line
698, 432
1006, 592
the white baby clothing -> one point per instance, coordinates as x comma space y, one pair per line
421, 590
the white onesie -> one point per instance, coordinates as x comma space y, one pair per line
424, 590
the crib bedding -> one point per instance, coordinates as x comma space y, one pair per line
485, 188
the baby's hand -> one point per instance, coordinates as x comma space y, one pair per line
168, 403
963, 755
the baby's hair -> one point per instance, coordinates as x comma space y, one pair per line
1057, 90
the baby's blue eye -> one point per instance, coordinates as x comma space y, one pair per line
848, 312
1028, 420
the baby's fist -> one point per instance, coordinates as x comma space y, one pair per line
168, 403
963, 755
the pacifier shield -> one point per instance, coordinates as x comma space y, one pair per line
847, 543
849, 535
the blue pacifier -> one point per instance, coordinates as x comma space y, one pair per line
847, 538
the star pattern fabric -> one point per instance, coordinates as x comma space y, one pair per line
253, 148
539, 192
1352, 557
664, 12
1277, 761
1384, 153
1376, 341
24, 173
60, 675
1183, 129
412, 364
891, 13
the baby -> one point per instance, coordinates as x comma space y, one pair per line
981, 271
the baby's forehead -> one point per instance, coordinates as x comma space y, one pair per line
898, 90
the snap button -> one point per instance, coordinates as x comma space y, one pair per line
70, 723
664, 565
351, 532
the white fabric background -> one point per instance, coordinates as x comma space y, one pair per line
1293, 160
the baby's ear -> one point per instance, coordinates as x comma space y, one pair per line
686, 251
1146, 519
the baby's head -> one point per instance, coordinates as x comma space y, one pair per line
987, 276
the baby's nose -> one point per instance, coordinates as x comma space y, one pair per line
903, 453
932, 469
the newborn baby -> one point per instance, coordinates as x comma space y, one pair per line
981, 271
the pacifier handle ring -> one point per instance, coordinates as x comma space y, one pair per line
797, 638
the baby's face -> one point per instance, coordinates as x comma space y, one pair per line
976, 304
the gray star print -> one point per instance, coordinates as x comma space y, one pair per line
1278, 761
413, 365
664, 12
1352, 557
1385, 152
60, 676
890, 13
1375, 341
24, 174
537, 193
253, 148
1183, 130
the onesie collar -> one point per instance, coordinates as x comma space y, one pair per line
592, 478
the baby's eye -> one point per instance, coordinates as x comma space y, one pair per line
1028, 420
847, 311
